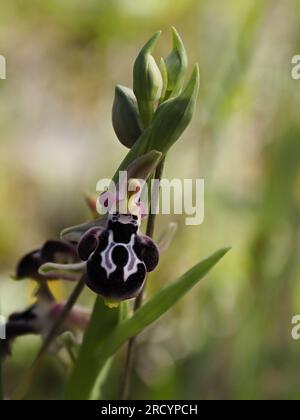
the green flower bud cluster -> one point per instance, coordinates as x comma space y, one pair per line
155, 113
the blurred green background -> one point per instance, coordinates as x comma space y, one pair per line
231, 337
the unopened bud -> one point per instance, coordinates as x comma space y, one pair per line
125, 116
176, 63
173, 116
147, 81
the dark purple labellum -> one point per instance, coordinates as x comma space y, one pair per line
52, 251
118, 258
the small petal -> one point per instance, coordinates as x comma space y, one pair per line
74, 233
91, 202
58, 252
142, 167
167, 237
51, 251
71, 272
28, 266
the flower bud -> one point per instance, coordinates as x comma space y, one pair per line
147, 81
170, 120
176, 63
173, 116
125, 116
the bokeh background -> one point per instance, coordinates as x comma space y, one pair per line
231, 337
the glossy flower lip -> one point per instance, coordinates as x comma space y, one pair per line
52, 251
118, 258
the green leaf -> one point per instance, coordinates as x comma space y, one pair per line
98, 348
84, 375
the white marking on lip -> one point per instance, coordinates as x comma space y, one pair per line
107, 262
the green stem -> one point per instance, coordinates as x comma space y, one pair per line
146, 111
139, 300
28, 378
